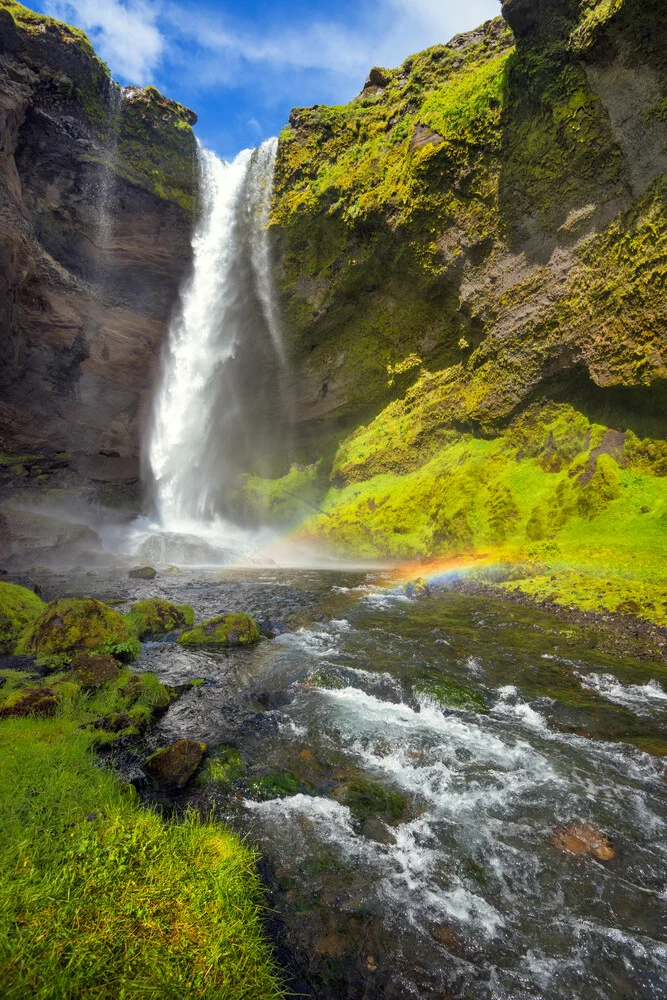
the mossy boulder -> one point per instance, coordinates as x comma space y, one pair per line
450, 694
366, 799
19, 608
94, 670
417, 588
42, 701
155, 617
276, 785
227, 630
142, 573
80, 624
174, 766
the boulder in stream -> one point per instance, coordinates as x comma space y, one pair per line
582, 839
142, 573
227, 630
174, 766
417, 588
156, 617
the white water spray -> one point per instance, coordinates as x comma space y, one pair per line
229, 295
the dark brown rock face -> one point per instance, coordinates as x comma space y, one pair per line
95, 218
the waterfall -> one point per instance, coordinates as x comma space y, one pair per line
218, 404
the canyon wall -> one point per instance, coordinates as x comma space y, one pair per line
472, 258
96, 212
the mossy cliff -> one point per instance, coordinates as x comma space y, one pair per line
472, 263
97, 188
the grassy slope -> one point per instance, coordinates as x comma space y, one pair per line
100, 896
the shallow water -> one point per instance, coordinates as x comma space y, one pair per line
475, 730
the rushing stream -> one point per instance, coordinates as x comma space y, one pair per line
404, 766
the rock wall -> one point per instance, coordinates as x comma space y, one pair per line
96, 199
472, 257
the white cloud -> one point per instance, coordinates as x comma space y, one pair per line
126, 35
140, 38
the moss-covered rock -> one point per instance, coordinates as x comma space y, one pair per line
451, 694
417, 588
156, 617
19, 608
142, 573
275, 785
80, 624
94, 670
41, 701
226, 630
173, 766
367, 799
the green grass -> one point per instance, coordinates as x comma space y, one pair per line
99, 896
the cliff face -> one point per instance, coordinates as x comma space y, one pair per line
473, 263
96, 193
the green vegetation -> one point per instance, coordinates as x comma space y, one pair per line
156, 617
75, 624
19, 608
278, 785
473, 276
366, 799
226, 630
450, 694
99, 894
223, 768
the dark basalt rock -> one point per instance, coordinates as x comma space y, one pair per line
175, 765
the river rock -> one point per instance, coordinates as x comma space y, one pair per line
79, 624
142, 573
417, 588
226, 630
155, 617
582, 839
94, 670
175, 765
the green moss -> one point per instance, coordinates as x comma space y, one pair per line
450, 694
75, 624
222, 769
36, 24
226, 630
156, 617
366, 799
19, 608
277, 785
157, 144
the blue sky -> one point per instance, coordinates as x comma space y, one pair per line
243, 65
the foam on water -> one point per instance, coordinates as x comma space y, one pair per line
635, 696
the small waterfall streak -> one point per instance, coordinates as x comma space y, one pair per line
260, 189
107, 182
199, 344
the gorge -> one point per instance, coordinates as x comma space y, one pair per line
341, 469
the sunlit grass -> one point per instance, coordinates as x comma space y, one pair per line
99, 897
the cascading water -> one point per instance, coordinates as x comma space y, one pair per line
219, 401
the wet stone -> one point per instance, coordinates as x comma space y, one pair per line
174, 766
582, 839
142, 573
